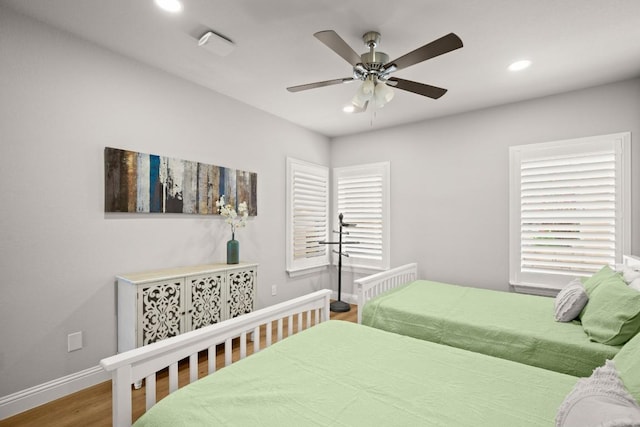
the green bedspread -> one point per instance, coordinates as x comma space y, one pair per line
344, 374
507, 325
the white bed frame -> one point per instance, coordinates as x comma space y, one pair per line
141, 363
372, 286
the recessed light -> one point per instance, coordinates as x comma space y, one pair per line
349, 109
520, 65
173, 6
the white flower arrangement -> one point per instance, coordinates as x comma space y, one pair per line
233, 218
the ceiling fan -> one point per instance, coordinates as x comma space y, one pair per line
373, 68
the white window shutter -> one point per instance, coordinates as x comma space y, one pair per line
307, 216
361, 194
569, 208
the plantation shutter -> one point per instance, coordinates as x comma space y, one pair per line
308, 215
362, 196
570, 208
568, 213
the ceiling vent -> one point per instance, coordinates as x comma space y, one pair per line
216, 43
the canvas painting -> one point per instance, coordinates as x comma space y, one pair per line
138, 182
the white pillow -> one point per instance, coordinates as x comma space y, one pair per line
570, 301
629, 274
635, 284
600, 400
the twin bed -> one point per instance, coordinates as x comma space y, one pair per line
508, 325
343, 374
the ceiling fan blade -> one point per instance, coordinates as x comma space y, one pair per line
334, 42
320, 84
419, 88
435, 48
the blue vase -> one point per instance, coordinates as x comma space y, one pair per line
233, 251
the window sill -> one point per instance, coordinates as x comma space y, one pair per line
360, 269
535, 289
307, 270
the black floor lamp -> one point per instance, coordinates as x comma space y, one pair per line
340, 306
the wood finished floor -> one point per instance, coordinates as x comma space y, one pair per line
92, 406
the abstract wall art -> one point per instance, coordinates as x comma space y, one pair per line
138, 182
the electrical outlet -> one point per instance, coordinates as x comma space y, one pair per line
274, 290
74, 341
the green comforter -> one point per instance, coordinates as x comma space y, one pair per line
507, 325
343, 374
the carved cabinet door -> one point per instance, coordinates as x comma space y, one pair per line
205, 300
160, 311
241, 292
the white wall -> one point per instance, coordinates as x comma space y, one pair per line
62, 100
450, 176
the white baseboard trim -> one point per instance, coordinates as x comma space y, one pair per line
350, 298
44, 393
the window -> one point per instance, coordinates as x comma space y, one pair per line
361, 194
307, 217
569, 209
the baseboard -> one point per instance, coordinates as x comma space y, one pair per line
350, 298
44, 393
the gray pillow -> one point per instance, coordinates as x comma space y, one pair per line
570, 301
600, 400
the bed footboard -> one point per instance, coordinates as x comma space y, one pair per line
143, 363
371, 286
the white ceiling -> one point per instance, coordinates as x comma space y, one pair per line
572, 43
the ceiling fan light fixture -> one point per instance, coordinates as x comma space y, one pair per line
367, 88
382, 95
364, 93
358, 102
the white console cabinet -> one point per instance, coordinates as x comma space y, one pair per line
155, 305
